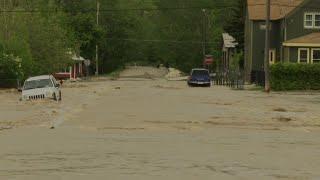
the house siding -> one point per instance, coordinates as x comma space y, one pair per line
286, 54
295, 26
295, 21
290, 27
258, 46
259, 43
293, 54
276, 34
282, 38
248, 48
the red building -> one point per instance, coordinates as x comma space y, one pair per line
73, 72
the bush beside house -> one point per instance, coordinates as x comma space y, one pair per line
292, 76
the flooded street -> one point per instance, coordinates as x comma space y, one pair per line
158, 129
160, 90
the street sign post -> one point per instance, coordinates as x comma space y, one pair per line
208, 61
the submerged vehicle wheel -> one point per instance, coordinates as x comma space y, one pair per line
55, 97
60, 96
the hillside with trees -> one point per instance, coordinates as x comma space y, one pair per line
36, 35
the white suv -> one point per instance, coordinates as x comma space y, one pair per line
41, 87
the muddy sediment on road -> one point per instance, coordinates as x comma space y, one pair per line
46, 113
159, 129
169, 101
143, 72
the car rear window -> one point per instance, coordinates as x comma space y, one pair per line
200, 73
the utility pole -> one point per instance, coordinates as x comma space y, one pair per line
267, 48
5, 20
204, 33
97, 47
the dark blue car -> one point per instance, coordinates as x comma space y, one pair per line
199, 77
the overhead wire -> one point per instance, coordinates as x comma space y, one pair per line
153, 9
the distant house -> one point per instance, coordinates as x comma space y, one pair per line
228, 50
295, 33
76, 70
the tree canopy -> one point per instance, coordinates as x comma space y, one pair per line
42, 32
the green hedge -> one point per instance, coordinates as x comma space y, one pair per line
293, 76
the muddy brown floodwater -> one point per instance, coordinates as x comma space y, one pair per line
156, 129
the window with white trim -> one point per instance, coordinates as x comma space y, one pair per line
315, 54
317, 20
308, 20
312, 20
303, 55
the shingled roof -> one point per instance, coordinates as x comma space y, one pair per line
279, 8
309, 40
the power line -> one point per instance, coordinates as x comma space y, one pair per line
158, 40
153, 9
106, 10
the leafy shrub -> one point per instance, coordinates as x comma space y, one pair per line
10, 70
292, 76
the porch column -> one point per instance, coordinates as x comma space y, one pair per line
70, 72
74, 70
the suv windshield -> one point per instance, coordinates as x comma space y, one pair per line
200, 73
41, 83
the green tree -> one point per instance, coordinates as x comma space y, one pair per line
236, 22
36, 34
151, 32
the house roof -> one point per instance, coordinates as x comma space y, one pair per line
279, 8
229, 41
77, 58
309, 40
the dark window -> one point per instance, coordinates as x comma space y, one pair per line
303, 56
317, 20
308, 20
315, 55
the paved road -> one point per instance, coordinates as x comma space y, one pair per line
164, 130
